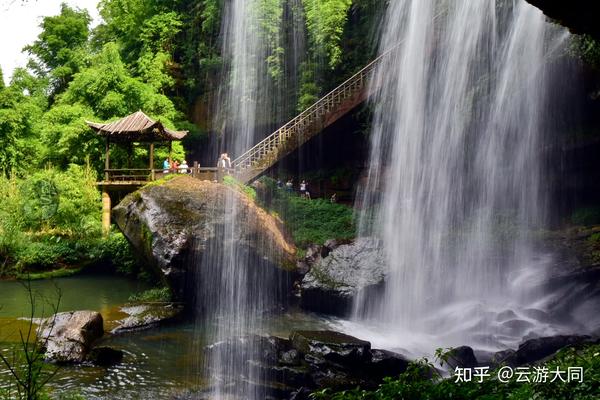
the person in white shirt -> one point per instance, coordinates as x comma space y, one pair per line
183, 167
303, 189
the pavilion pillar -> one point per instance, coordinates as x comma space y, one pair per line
152, 161
106, 211
170, 151
107, 160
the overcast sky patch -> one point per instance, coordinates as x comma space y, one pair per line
19, 26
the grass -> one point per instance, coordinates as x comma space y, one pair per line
162, 180
315, 221
156, 295
310, 221
245, 189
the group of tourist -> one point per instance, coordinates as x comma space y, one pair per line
289, 187
224, 161
175, 167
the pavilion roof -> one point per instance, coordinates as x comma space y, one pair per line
137, 127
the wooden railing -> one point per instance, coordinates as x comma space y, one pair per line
254, 162
128, 175
133, 176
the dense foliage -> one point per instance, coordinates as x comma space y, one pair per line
588, 50
160, 57
51, 220
414, 384
325, 20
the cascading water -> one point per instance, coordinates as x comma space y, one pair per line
235, 287
263, 46
456, 170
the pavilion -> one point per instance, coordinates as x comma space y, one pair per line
135, 128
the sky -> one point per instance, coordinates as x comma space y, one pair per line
19, 26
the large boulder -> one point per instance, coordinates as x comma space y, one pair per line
536, 349
68, 337
174, 223
332, 346
336, 279
462, 357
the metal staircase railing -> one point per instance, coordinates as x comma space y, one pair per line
307, 124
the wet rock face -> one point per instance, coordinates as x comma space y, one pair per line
537, 349
307, 361
173, 223
146, 316
338, 274
331, 346
577, 15
463, 357
69, 336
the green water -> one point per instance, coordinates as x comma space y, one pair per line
158, 363
86, 292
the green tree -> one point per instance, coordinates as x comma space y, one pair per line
325, 20
104, 91
21, 108
158, 42
59, 51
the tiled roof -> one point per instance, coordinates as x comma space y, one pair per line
137, 127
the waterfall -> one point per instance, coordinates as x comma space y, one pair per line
456, 174
263, 44
236, 287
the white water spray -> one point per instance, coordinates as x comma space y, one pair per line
456, 173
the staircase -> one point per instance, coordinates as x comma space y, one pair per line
256, 161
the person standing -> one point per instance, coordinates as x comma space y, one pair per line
183, 168
303, 189
227, 162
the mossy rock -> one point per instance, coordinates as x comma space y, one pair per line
172, 224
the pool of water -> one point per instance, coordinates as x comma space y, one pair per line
157, 363
85, 292
167, 361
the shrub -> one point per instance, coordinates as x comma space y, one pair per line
66, 201
49, 219
118, 251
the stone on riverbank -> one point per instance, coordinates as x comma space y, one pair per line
146, 316
69, 336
